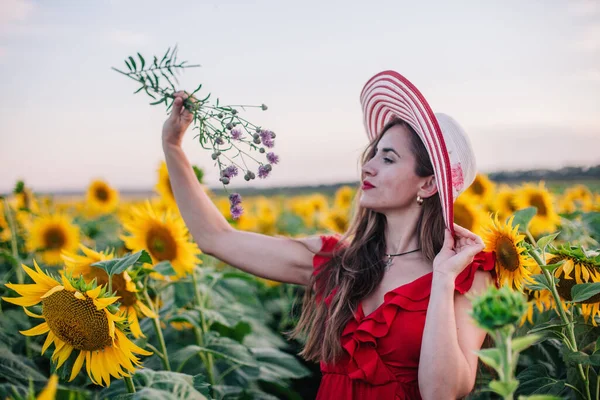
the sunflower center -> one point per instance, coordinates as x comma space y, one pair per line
54, 238
477, 187
161, 244
120, 285
463, 216
340, 222
76, 322
507, 254
538, 202
102, 194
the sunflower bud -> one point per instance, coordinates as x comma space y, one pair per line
498, 307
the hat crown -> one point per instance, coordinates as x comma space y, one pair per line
460, 153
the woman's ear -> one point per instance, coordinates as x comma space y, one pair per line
428, 187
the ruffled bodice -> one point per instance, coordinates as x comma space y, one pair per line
382, 349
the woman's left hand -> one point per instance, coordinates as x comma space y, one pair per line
457, 253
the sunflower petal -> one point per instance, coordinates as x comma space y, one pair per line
49, 340
53, 290
93, 294
33, 315
37, 330
22, 301
145, 310
105, 302
77, 366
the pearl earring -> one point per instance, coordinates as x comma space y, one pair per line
419, 200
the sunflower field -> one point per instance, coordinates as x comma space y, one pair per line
107, 297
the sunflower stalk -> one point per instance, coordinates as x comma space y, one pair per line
158, 331
200, 303
129, 384
571, 342
17, 262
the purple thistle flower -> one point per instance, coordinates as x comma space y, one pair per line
263, 171
235, 199
230, 171
267, 138
237, 211
236, 134
219, 140
272, 157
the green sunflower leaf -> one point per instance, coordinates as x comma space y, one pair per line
546, 240
584, 291
552, 267
118, 265
491, 357
523, 218
164, 268
521, 343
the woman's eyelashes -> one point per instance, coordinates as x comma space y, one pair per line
387, 160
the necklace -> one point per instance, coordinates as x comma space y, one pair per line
389, 256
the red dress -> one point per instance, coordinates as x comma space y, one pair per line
382, 349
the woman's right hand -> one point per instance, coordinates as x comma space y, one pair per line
180, 119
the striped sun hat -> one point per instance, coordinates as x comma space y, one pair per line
387, 95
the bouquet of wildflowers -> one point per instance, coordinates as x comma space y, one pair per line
221, 128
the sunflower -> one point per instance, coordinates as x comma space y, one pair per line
512, 266
578, 197
163, 186
468, 214
101, 198
585, 267
267, 214
129, 304
546, 218
163, 235
78, 316
49, 391
5, 234
343, 197
482, 188
337, 220
25, 200
50, 234
504, 201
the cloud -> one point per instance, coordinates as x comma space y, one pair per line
128, 38
589, 38
15, 10
584, 8
589, 75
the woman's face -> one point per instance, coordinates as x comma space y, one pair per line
392, 172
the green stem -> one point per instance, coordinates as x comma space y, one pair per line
15, 254
563, 316
158, 330
575, 389
598, 388
129, 384
200, 337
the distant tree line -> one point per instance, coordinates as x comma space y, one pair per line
562, 174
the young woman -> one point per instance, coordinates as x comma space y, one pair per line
385, 311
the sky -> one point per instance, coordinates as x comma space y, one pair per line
522, 78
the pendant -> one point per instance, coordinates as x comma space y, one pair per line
388, 263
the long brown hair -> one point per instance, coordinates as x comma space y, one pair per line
357, 269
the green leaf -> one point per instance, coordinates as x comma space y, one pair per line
540, 397
552, 267
551, 325
521, 343
491, 357
523, 218
142, 60
546, 240
578, 357
118, 265
584, 291
540, 283
132, 61
164, 268
128, 65
597, 346
504, 389
276, 365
